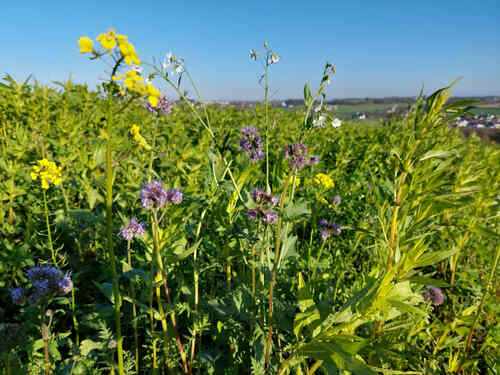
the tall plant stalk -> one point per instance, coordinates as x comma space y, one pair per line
49, 233
109, 236
275, 269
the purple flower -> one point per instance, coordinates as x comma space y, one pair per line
297, 153
265, 202
164, 107
329, 228
337, 199
65, 285
269, 217
153, 195
17, 295
174, 196
251, 143
313, 159
134, 228
46, 281
434, 295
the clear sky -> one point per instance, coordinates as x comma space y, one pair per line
380, 48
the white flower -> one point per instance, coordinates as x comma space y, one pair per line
166, 61
336, 123
317, 108
274, 58
254, 54
319, 122
137, 68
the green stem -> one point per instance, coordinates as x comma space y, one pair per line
134, 313
49, 234
274, 271
266, 103
109, 237
315, 267
75, 321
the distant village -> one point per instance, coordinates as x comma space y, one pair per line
478, 121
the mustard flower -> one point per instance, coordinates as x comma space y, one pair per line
108, 40
324, 180
48, 172
86, 44
138, 138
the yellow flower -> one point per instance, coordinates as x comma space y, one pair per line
297, 179
127, 50
153, 95
108, 40
324, 180
132, 78
138, 138
86, 44
48, 172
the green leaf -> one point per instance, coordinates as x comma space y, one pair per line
87, 345
434, 257
424, 280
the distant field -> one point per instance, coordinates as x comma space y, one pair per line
486, 111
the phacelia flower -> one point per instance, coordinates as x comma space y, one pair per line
434, 295
153, 195
164, 107
174, 196
251, 143
337, 199
133, 229
46, 281
18, 295
297, 153
313, 160
48, 172
328, 228
265, 202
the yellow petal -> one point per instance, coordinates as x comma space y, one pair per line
153, 100
86, 44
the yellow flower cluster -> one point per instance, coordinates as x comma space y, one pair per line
134, 83
132, 80
48, 172
138, 138
324, 180
109, 41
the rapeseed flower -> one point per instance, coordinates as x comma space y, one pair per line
86, 44
324, 180
48, 172
108, 40
138, 138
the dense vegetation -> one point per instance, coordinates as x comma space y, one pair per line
380, 258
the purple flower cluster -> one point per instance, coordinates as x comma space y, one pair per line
434, 295
133, 229
328, 228
164, 107
154, 195
47, 281
265, 202
297, 153
251, 143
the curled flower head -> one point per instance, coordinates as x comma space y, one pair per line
434, 295
329, 228
259, 196
297, 153
269, 216
153, 195
251, 143
48, 172
133, 229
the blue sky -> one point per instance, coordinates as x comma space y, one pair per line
380, 48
